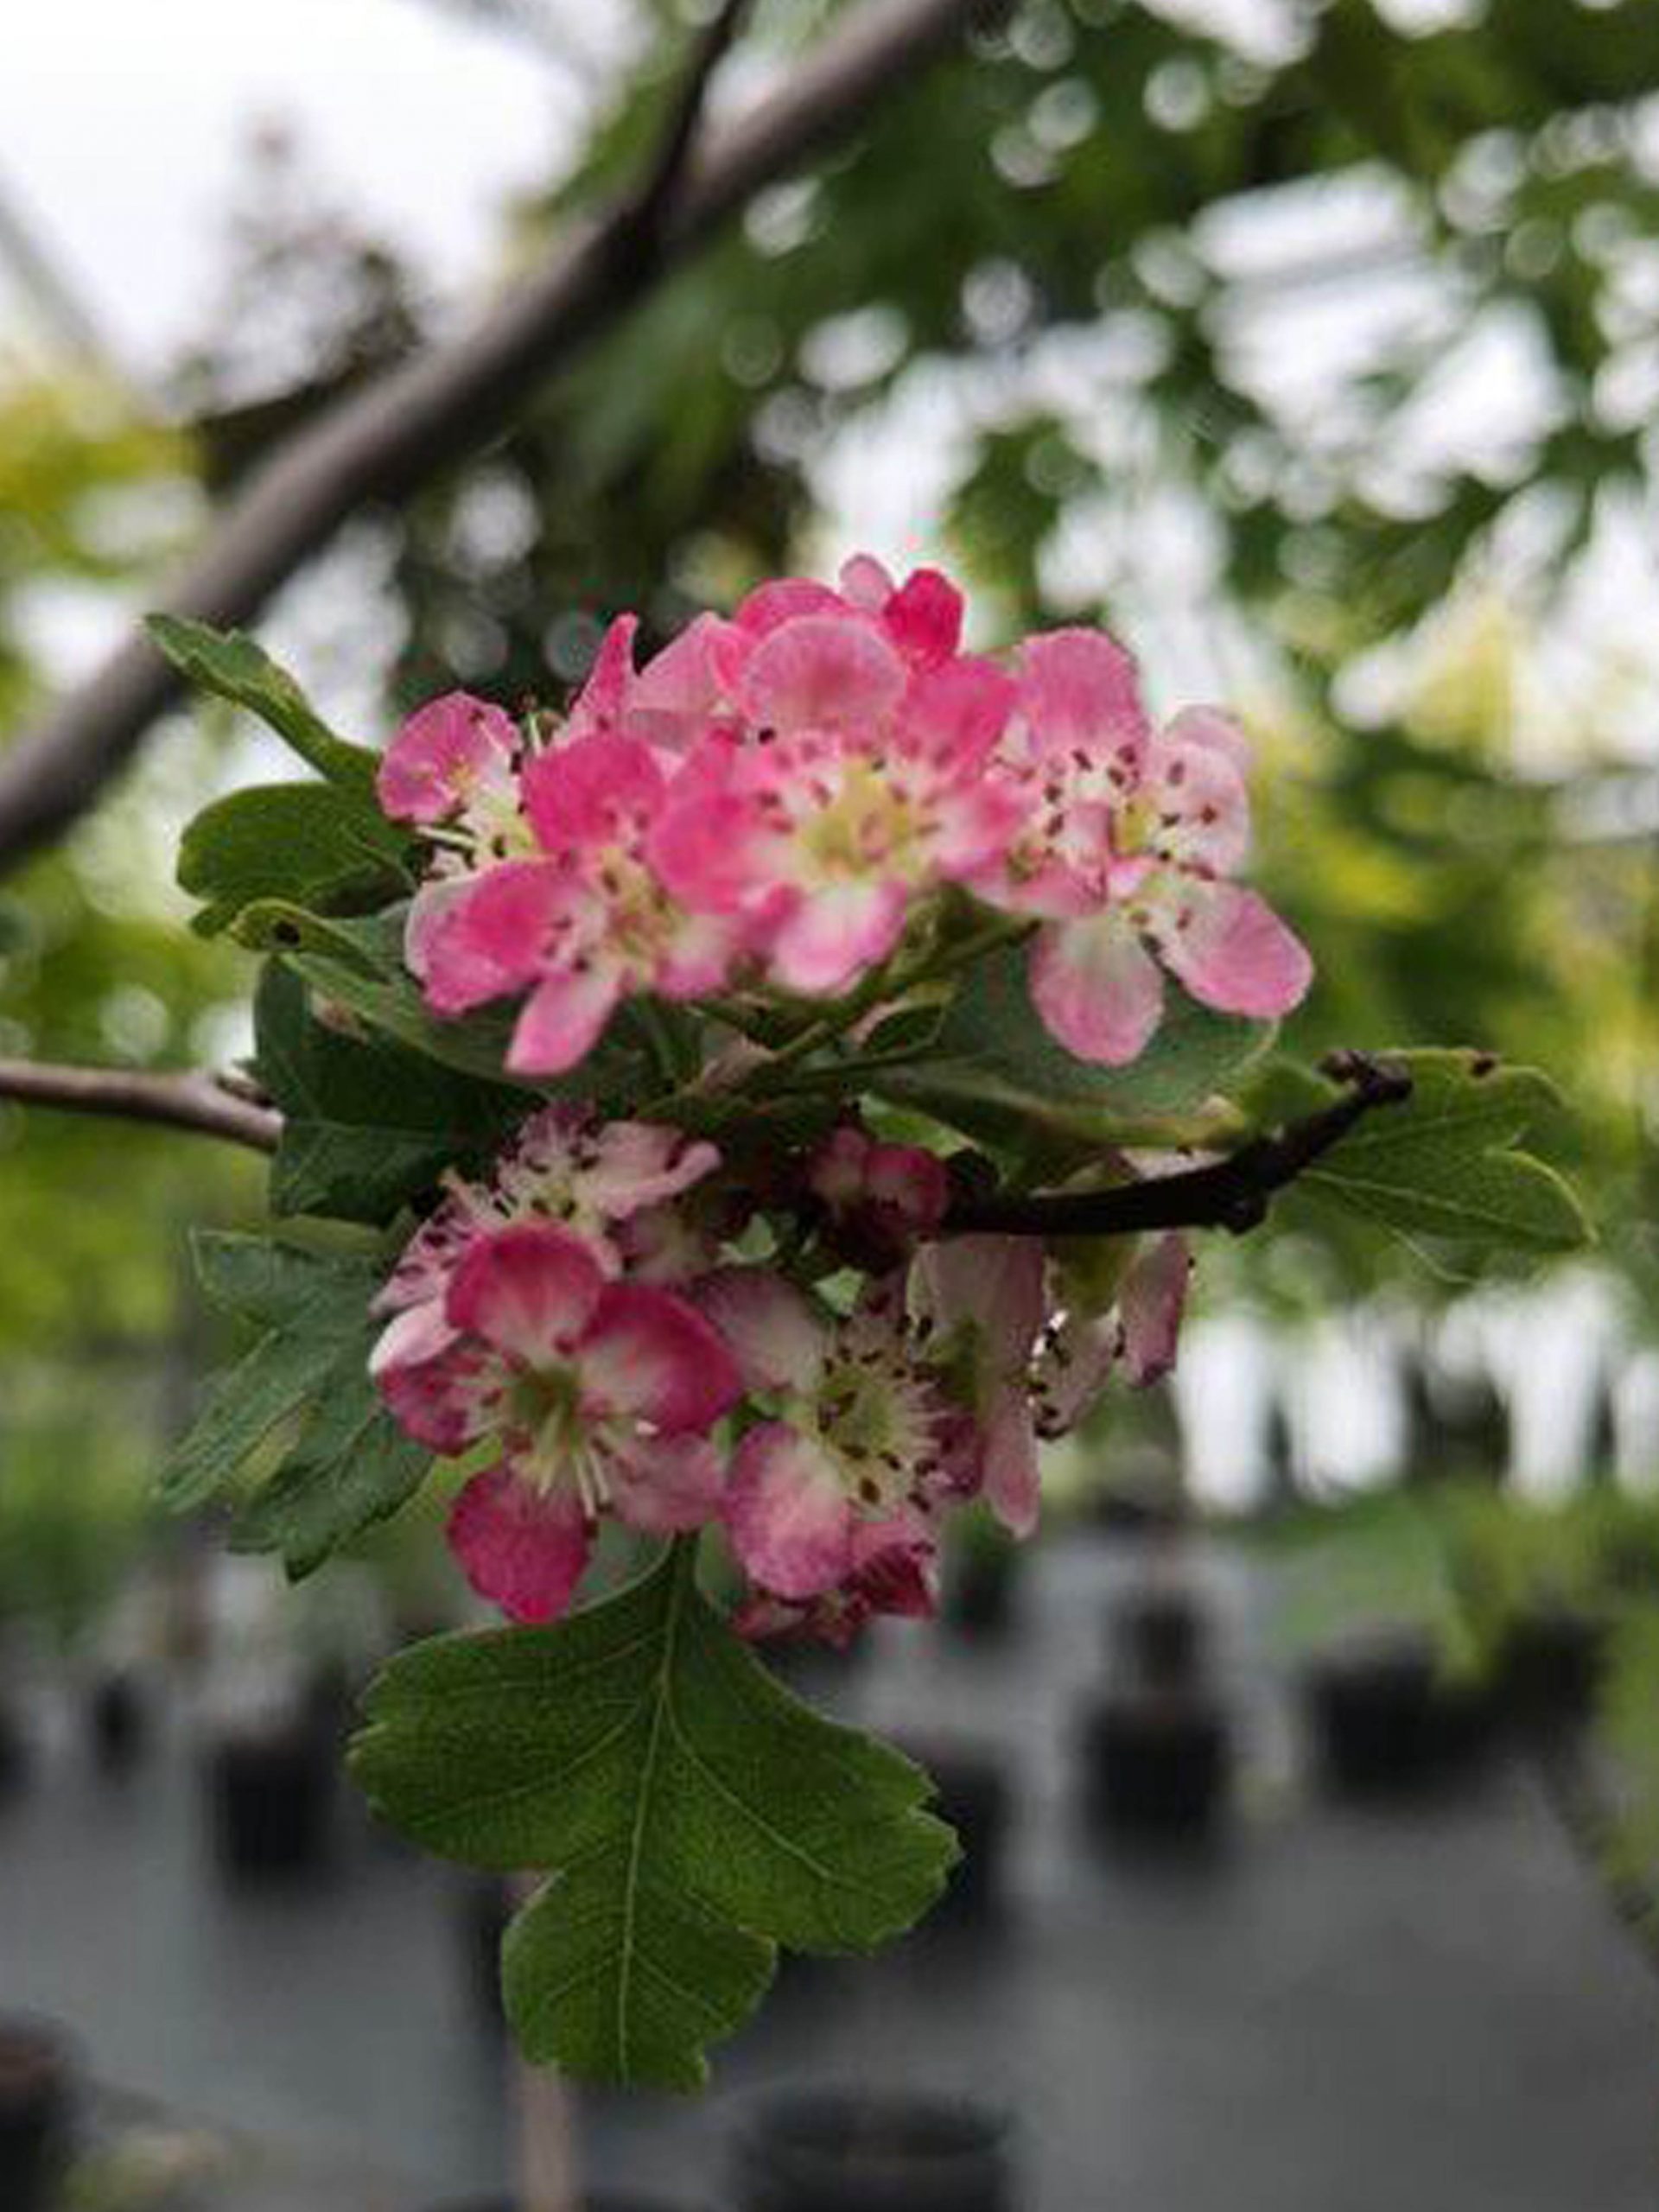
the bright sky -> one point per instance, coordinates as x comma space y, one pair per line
123, 125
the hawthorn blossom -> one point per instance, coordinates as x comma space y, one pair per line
1127, 853
882, 1195
892, 1570
597, 1394
859, 1448
594, 1177
848, 774
1030, 1364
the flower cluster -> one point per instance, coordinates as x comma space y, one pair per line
586, 1321
774, 800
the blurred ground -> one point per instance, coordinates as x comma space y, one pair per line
1341, 2010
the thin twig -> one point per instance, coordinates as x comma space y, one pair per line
638, 228
383, 440
199, 1102
1233, 1194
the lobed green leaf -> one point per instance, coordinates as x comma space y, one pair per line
691, 1815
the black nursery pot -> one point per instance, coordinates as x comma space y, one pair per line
846, 2152
1384, 1723
36, 2103
974, 1797
1157, 1764
14, 1751
116, 1724
271, 1799
1160, 1638
1550, 1666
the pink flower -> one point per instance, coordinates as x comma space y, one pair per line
1128, 851
584, 923
849, 775
598, 1395
886, 1194
859, 1435
594, 1178
893, 1570
1030, 1368
453, 756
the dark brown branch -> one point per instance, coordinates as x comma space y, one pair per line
181, 1102
1233, 1193
383, 440
639, 227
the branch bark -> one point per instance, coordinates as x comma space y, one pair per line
384, 439
1233, 1193
199, 1102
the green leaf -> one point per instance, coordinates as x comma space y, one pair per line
233, 666
692, 1816
994, 1070
347, 1464
1446, 1164
310, 844
367, 1125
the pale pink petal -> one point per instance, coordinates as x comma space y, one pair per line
427, 910
628, 1165
1079, 691
865, 584
1097, 990
785, 599
563, 1020
489, 938
663, 1484
776, 1338
440, 752
650, 1354
1072, 1370
1212, 727
697, 956
594, 790
679, 688
1150, 1306
522, 1547
1008, 1474
1201, 807
429, 1379
790, 1519
975, 826
923, 617
995, 1285
821, 672
833, 935
1233, 952
428, 1259
531, 1290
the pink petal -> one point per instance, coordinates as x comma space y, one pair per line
439, 752
680, 687
955, 713
923, 617
594, 790
1150, 1306
820, 671
776, 1337
710, 850
601, 704
1211, 726
831, 936
865, 584
1009, 1477
563, 1020
697, 956
663, 1484
488, 940
1202, 808
785, 599
521, 1547
620, 1165
975, 826
1080, 689
427, 910
650, 1354
994, 1284
1098, 991
790, 1519
1233, 953
531, 1290
432, 1381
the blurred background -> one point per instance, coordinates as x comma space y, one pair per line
1309, 1762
